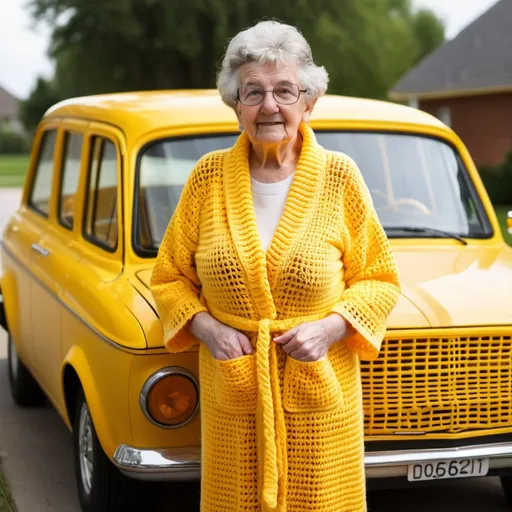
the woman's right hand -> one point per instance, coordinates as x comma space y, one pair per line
223, 341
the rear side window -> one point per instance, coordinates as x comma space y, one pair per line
42, 185
69, 177
101, 202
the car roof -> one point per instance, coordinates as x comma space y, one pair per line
139, 112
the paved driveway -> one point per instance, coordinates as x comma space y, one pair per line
38, 461
37, 449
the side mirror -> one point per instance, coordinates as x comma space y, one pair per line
509, 222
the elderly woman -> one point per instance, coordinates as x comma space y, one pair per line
276, 264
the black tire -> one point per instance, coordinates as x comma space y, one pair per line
506, 483
106, 489
25, 390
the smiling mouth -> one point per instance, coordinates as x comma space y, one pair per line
271, 124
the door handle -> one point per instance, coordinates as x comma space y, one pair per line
40, 250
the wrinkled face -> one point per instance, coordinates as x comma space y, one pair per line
270, 122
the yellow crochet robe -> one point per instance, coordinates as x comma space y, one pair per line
277, 433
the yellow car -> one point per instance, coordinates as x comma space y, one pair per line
105, 175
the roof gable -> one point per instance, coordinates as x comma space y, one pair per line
9, 105
478, 58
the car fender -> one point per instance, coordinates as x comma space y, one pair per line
77, 359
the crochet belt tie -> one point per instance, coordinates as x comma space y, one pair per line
270, 416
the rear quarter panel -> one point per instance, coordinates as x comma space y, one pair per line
104, 373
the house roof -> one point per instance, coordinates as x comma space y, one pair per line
9, 105
477, 60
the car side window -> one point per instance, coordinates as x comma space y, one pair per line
101, 201
70, 174
42, 185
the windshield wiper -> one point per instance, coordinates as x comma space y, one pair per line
445, 234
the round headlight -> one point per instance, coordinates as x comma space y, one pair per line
170, 397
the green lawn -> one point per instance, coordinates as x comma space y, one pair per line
13, 169
6, 501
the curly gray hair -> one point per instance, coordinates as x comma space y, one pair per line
270, 41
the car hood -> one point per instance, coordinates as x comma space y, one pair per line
405, 312
443, 286
454, 287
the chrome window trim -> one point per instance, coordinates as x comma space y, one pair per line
152, 380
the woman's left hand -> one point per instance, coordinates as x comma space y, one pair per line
311, 341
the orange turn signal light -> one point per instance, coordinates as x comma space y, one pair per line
172, 399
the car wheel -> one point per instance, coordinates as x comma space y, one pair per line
101, 486
506, 483
25, 390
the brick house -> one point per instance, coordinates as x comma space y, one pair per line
467, 83
9, 111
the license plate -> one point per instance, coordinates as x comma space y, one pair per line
454, 468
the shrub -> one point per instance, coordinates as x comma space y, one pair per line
498, 181
12, 143
507, 177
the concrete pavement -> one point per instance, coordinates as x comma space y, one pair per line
9, 200
37, 454
3, 345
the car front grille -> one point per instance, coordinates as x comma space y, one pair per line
450, 383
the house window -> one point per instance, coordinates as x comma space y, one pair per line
444, 115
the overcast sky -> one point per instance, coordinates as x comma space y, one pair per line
23, 47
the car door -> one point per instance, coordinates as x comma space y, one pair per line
23, 235
99, 233
56, 255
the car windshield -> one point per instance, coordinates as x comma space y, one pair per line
418, 184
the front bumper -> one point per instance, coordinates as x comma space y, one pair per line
159, 464
389, 464
185, 463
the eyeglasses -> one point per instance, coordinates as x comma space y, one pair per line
283, 94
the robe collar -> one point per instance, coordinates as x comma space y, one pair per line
262, 268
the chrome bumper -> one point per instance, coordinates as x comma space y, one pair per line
395, 463
185, 463
159, 464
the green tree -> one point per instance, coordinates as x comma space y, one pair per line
429, 32
122, 45
43, 96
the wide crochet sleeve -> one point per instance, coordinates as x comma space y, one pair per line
174, 282
371, 277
